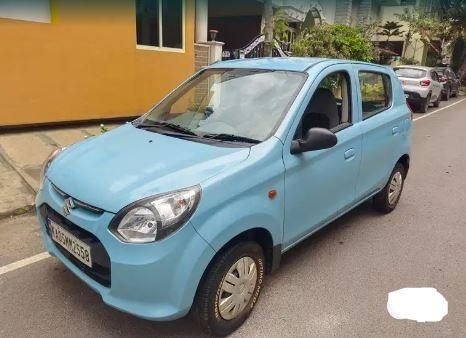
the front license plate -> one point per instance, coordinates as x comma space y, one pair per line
70, 243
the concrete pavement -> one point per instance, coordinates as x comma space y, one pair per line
335, 283
21, 158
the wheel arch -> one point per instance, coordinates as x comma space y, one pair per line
405, 162
263, 237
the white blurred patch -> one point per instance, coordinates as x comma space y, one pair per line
419, 304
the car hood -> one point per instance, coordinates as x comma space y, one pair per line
127, 164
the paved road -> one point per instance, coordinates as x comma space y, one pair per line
334, 284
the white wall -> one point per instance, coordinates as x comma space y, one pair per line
27, 10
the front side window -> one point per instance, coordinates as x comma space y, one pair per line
241, 102
330, 105
375, 93
159, 23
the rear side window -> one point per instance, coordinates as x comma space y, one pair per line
376, 93
412, 73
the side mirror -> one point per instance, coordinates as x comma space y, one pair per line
315, 139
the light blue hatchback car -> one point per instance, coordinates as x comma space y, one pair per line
188, 208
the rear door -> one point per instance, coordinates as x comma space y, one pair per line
381, 125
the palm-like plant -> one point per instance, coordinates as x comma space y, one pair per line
390, 29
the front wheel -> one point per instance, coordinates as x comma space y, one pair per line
230, 289
387, 199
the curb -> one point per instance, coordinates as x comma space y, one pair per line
28, 209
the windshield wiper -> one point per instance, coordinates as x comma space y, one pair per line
231, 138
167, 125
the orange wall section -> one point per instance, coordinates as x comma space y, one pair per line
84, 65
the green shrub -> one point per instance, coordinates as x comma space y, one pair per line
334, 41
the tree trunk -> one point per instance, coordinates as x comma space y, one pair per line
268, 27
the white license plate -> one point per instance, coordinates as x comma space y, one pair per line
70, 243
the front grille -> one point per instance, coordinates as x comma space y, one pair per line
100, 271
78, 203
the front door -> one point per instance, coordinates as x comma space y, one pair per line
319, 185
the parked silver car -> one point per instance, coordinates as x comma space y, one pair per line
421, 86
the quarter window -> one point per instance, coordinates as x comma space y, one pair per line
375, 93
160, 23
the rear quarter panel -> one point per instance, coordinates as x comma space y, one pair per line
381, 147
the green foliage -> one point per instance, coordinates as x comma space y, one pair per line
459, 52
280, 26
429, 28
372, 92
369, 30
334, 41
391, 28
455, 12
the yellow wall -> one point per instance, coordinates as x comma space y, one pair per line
84, 65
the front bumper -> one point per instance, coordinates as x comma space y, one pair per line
156, 281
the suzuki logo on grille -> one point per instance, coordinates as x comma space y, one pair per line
69, 205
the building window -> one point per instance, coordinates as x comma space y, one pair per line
160, 23
26, 10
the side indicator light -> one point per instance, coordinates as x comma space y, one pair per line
272, 194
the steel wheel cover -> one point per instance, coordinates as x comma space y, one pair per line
394, 190
237, 288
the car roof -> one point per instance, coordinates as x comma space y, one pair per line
414, 67
298, 64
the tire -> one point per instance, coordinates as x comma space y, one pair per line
437, 103
384, 202
424, 105
206, 308
447, 95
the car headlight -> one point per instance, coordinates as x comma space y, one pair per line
46, 165
154, 218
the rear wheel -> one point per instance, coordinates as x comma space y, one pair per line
437, 103
230, 289
447, 95
424, 105
387, 199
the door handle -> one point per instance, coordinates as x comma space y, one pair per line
350, 154
395, 130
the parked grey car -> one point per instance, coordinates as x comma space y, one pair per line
451, 83
421, 86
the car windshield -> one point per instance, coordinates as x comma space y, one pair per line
227, 103
413, 73
440, 71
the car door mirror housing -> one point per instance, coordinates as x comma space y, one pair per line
315, 139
